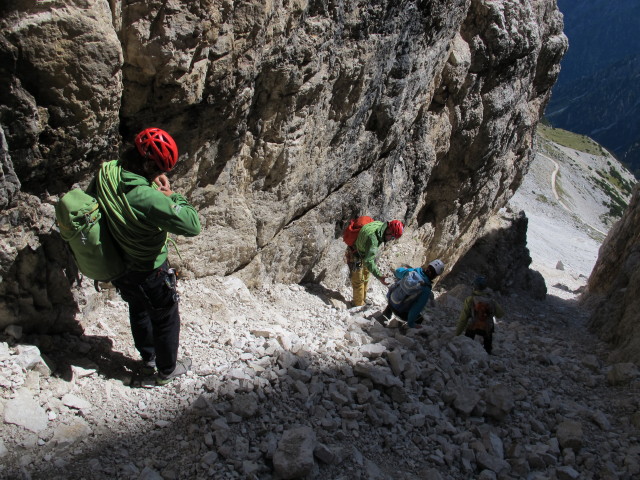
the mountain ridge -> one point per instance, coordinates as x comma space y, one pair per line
596, 93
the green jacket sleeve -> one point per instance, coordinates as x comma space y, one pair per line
464, 316
369, 258
172, 214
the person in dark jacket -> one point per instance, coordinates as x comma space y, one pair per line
141, 209
479, 304
370, 237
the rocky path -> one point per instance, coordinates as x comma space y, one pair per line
554, 175
287, 383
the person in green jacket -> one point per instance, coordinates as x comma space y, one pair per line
477, 314
141, 210
370, 237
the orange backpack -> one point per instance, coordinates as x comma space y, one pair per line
482, 314
350, 234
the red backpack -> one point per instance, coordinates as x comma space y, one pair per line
482, 314
350, 234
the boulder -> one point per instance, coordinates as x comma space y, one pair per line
294, 455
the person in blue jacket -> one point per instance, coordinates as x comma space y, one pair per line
409, 295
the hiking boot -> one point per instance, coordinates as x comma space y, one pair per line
380, 318
182, 367
356, 308
148, 367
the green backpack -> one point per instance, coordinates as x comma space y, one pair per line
83, 227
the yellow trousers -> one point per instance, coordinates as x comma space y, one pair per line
359, 283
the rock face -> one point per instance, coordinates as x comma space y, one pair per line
501, 255
612, 290
291, 118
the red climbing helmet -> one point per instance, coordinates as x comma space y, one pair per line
395, 228
157, 145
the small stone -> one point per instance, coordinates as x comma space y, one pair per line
249, 468
601, 420
379, 375
592, 363
622, 373
245, 405
490, 462
5, 353
499, 401
294, 455
24, 411
372, 350
396, 361
28, 356
570, 435
67, 434
567, 473
73, 401
14, 331
79, 372
635, 419
466, 400
149, 473
431, 474
324, 454
209, 458
3, 449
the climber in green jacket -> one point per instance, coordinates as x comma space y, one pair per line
478, 312
371, 236
156, 207
141, 209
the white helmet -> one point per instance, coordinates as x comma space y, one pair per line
438, 266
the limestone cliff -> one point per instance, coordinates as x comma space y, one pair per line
502, 256
612, 291
291, 116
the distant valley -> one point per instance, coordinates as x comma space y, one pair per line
569, 218
597, 93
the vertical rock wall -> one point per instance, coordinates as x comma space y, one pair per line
61, 77
612, 290
502, 256
291, 116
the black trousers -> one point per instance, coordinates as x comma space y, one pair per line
487, 337
153, 314
389, 311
